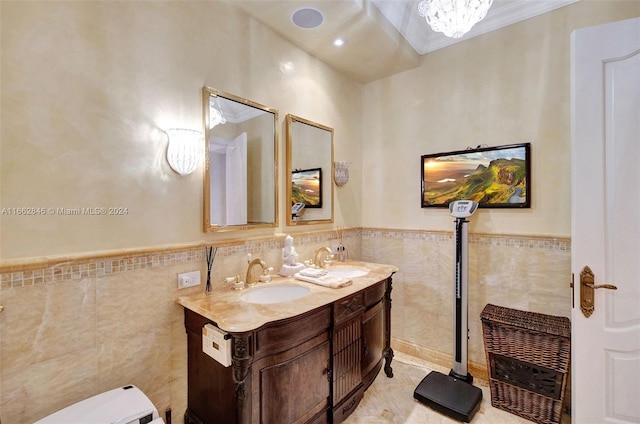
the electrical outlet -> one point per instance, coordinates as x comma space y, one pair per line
188, 279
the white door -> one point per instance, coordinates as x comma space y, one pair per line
236, 178
228, 183
605, 103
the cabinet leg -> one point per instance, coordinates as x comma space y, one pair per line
388, 357
388, 352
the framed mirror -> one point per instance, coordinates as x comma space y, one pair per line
241, 163
309, 171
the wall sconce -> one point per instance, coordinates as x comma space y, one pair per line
341, 173
185, 150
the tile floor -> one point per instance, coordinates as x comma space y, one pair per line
390, 400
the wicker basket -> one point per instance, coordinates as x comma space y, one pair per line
528, 357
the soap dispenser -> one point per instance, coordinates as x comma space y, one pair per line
343, 255
341, 249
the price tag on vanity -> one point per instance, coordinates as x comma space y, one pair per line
217, 344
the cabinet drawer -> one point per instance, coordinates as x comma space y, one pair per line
291, 333
323, 418
349, 307
342, 411
374, 294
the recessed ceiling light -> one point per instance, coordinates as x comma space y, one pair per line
307, 18
339, 42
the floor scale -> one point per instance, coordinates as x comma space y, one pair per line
453, 394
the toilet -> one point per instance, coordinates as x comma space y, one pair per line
124, 405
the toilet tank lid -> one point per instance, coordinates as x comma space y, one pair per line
123, 405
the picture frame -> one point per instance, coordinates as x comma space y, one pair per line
495, 177
306, 187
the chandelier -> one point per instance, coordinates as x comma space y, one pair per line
215, 116
453, 18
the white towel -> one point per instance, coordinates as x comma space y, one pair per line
325, 280
313, 272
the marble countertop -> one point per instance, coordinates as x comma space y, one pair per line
224, 307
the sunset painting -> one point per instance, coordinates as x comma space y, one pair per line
306, 187
491, 176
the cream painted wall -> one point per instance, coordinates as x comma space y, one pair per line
505, 87
87, 88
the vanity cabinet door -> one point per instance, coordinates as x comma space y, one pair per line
293, 386
373, 340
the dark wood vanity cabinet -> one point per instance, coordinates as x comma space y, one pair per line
312, 368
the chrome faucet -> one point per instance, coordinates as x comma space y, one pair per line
251, 279
316, 258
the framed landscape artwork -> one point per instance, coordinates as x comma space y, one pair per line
495, 177
306, 187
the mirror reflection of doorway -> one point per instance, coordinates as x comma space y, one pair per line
229, 180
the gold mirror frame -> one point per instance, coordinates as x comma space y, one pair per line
326, 165
208, 94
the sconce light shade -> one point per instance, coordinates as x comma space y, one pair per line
341, 175
185, 150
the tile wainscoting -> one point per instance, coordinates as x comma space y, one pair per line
523, 272
75, 326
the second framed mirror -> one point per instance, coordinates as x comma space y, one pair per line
309, 171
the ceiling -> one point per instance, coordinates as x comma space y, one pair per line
384, 37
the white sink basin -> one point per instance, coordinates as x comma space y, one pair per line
274, 294
347, 271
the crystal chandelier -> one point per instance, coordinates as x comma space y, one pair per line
215, 116
453, 18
